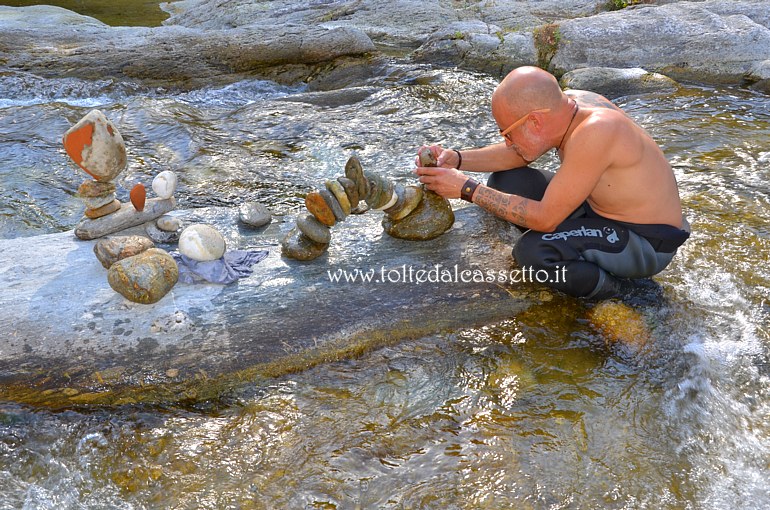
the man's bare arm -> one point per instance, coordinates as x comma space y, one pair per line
512, 208
492, 158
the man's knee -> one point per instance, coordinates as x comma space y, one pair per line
527, 250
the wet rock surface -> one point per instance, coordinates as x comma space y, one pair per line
61, 316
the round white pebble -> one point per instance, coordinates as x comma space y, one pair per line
202, 243
164, 184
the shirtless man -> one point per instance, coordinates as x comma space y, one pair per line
612, 209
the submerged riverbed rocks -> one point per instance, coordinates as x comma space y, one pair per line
332, 45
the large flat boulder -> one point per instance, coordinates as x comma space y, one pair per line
70, 339
714, 41
53, 42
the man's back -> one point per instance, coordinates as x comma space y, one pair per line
638, 186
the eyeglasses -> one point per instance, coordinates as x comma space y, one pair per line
505, 133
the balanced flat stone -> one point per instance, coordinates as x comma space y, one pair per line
336, 189
429, 220
298, 246
314, 229
412, 198
104, 210
122, 219
333, 204
355, 172
318, 207
351, 189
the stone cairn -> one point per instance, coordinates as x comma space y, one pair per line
97, 147
136, 269
411, 212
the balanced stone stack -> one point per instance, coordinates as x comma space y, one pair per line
346, 195
97, 147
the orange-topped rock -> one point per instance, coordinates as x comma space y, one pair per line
96, 146
319, 208
138, 196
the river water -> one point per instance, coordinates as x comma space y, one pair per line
533, 412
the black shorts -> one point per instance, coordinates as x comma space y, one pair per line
588, 247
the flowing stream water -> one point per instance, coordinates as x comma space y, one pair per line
533, 412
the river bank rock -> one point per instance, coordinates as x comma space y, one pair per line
63, 323
187, 57
144, 278
612, 83
713, 41
478, 46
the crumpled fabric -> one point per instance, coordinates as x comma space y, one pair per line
235, 264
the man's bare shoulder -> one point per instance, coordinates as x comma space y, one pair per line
588, 99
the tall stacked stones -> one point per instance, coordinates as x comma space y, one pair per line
135, 269
410, 211
97, 147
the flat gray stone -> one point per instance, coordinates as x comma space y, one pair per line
126, 217
255, 214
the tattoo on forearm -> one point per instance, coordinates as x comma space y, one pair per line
512, 208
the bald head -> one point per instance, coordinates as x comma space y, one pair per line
525, 89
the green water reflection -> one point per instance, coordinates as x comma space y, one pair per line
125, 13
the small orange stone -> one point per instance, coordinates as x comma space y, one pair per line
103, 210
318, 207
138, 196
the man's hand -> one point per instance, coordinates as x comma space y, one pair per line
446, 158
447, 182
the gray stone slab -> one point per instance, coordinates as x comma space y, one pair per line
69, 338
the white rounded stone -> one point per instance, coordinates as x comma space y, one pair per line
202, 243
164, 184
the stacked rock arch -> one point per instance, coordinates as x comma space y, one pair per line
410, 212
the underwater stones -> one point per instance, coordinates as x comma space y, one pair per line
431, 218
164, 184
144, 278
202, 243
318, 207
426, 157
123, 218
103, 210
113, 249
620, 323
254, 214
314, 229
334, 205
351, 190
96, 146
336, 189
298, 246
138, 196
355, 172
